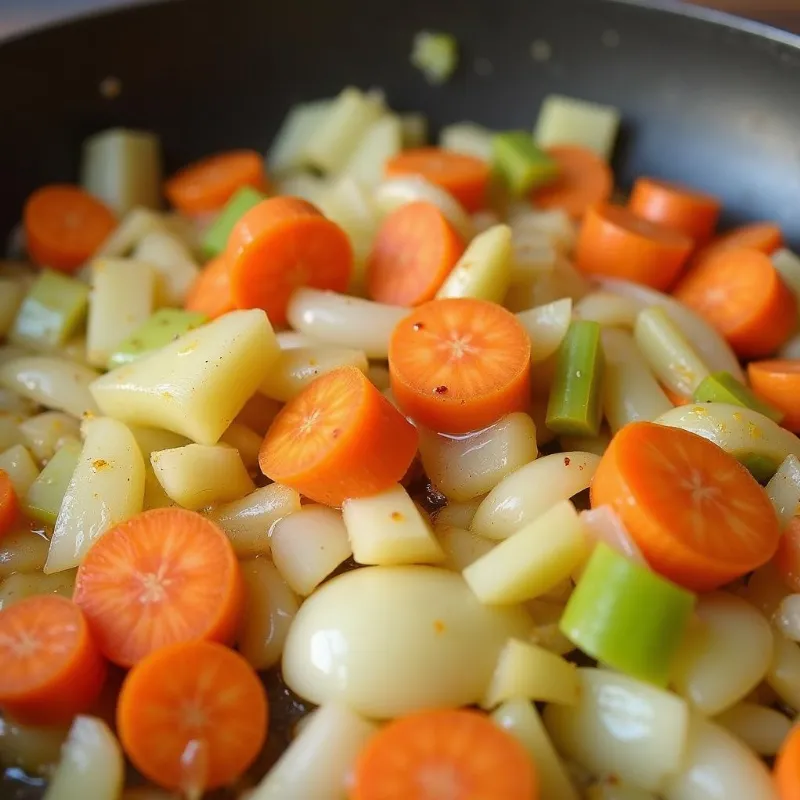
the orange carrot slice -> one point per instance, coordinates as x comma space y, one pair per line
455, 753
412, 255
192, 716
211, 293
742, 295
778, 383
787, 767
465, 177
585, 180
280, 244
766, 237
675, 398
698, 516
164, 576
51, 667
458, 365
613, 242
209, 183
787, 558
339, 438
677, 207
64, 225
9, 503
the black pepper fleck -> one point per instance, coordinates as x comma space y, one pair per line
440, 390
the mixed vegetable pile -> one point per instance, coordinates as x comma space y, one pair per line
500, 475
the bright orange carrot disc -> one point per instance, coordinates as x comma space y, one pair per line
777, 382
9, 503
210, 293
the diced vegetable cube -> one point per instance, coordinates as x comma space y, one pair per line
21, 468
381, 141
565, 120
468, 138
46, 494
12, 293
722, 387
520, 163
174, 263
216, 237
435, 55
287, 151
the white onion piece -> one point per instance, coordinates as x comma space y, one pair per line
784, 489
603, 524
760, 728
787, 617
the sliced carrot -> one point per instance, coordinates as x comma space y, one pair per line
458, 365
192, 702
766, 237
9, 503
614, 243
412, 255
209, 183
465, 177
742, 295
51, 667
787, 766
283, 243
675, 398
164, 576
211, 291
787, 558
584, 180
778, 383
454, 753
339, 438
64, 225
677, 207
697, 514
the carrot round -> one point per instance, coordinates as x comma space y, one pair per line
339, 438
9, 503
787, 557
414, 757
698, 516
194, 698
458, 365
465, 177
584, 180
677, 207
787, 767
209, 183
280, 244
412, 255
211, 291
64, 225
742, 295
164, 576
778, 383
50, 666
766, 237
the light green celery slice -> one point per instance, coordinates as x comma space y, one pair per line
46, 493
722, 387
216, 237
521, 164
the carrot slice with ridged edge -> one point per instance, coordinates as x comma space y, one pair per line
9, 503
453, 753
458, 365
698, 516
339, 438
192, 716
50, 666
164, 576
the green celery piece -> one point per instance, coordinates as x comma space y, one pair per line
760, 466
160, 329
575, 405
44, 498
722, 387
521, 164
435, 55
626, 616
51, 312
216, 237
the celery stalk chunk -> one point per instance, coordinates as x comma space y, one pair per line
575, 405
160, 329
565, 120
51, 312
521, 164
218, 232
46, 493
722, 387
627, 616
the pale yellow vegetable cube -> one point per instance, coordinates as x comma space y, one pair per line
566, 120
298, 126
246, 441
469, 139
12, 293
197, 384
457, 514
47, 432
174, 265
21, 468
28, 584
784, 670
388, 529
381, 141
461, 547
135, 225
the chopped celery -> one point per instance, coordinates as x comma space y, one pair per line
216, 236
435, 55
565, 120
51, 312
160, 329
627, 616
575, 406
520, 163
468, 138
414, 129
46, 493
722, 387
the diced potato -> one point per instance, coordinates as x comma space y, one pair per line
458, 515
608, 309
556, 225
259, 412
388, 529
46, 494
533, 262
248, 521
22, 550
762, 729
533, 560
381, 141
526, 671
547, 326
196, 385
565, 120
21, 468
45, 433
784, 671
467, 467
469, 139
136, 224
246, 441
28, 584
176, 269
106, 488
150, 440
92, 764
309, 545
199, 475
270, 607
461, 547
287, 150
31, 748
12, 293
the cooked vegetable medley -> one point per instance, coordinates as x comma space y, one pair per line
379, 470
